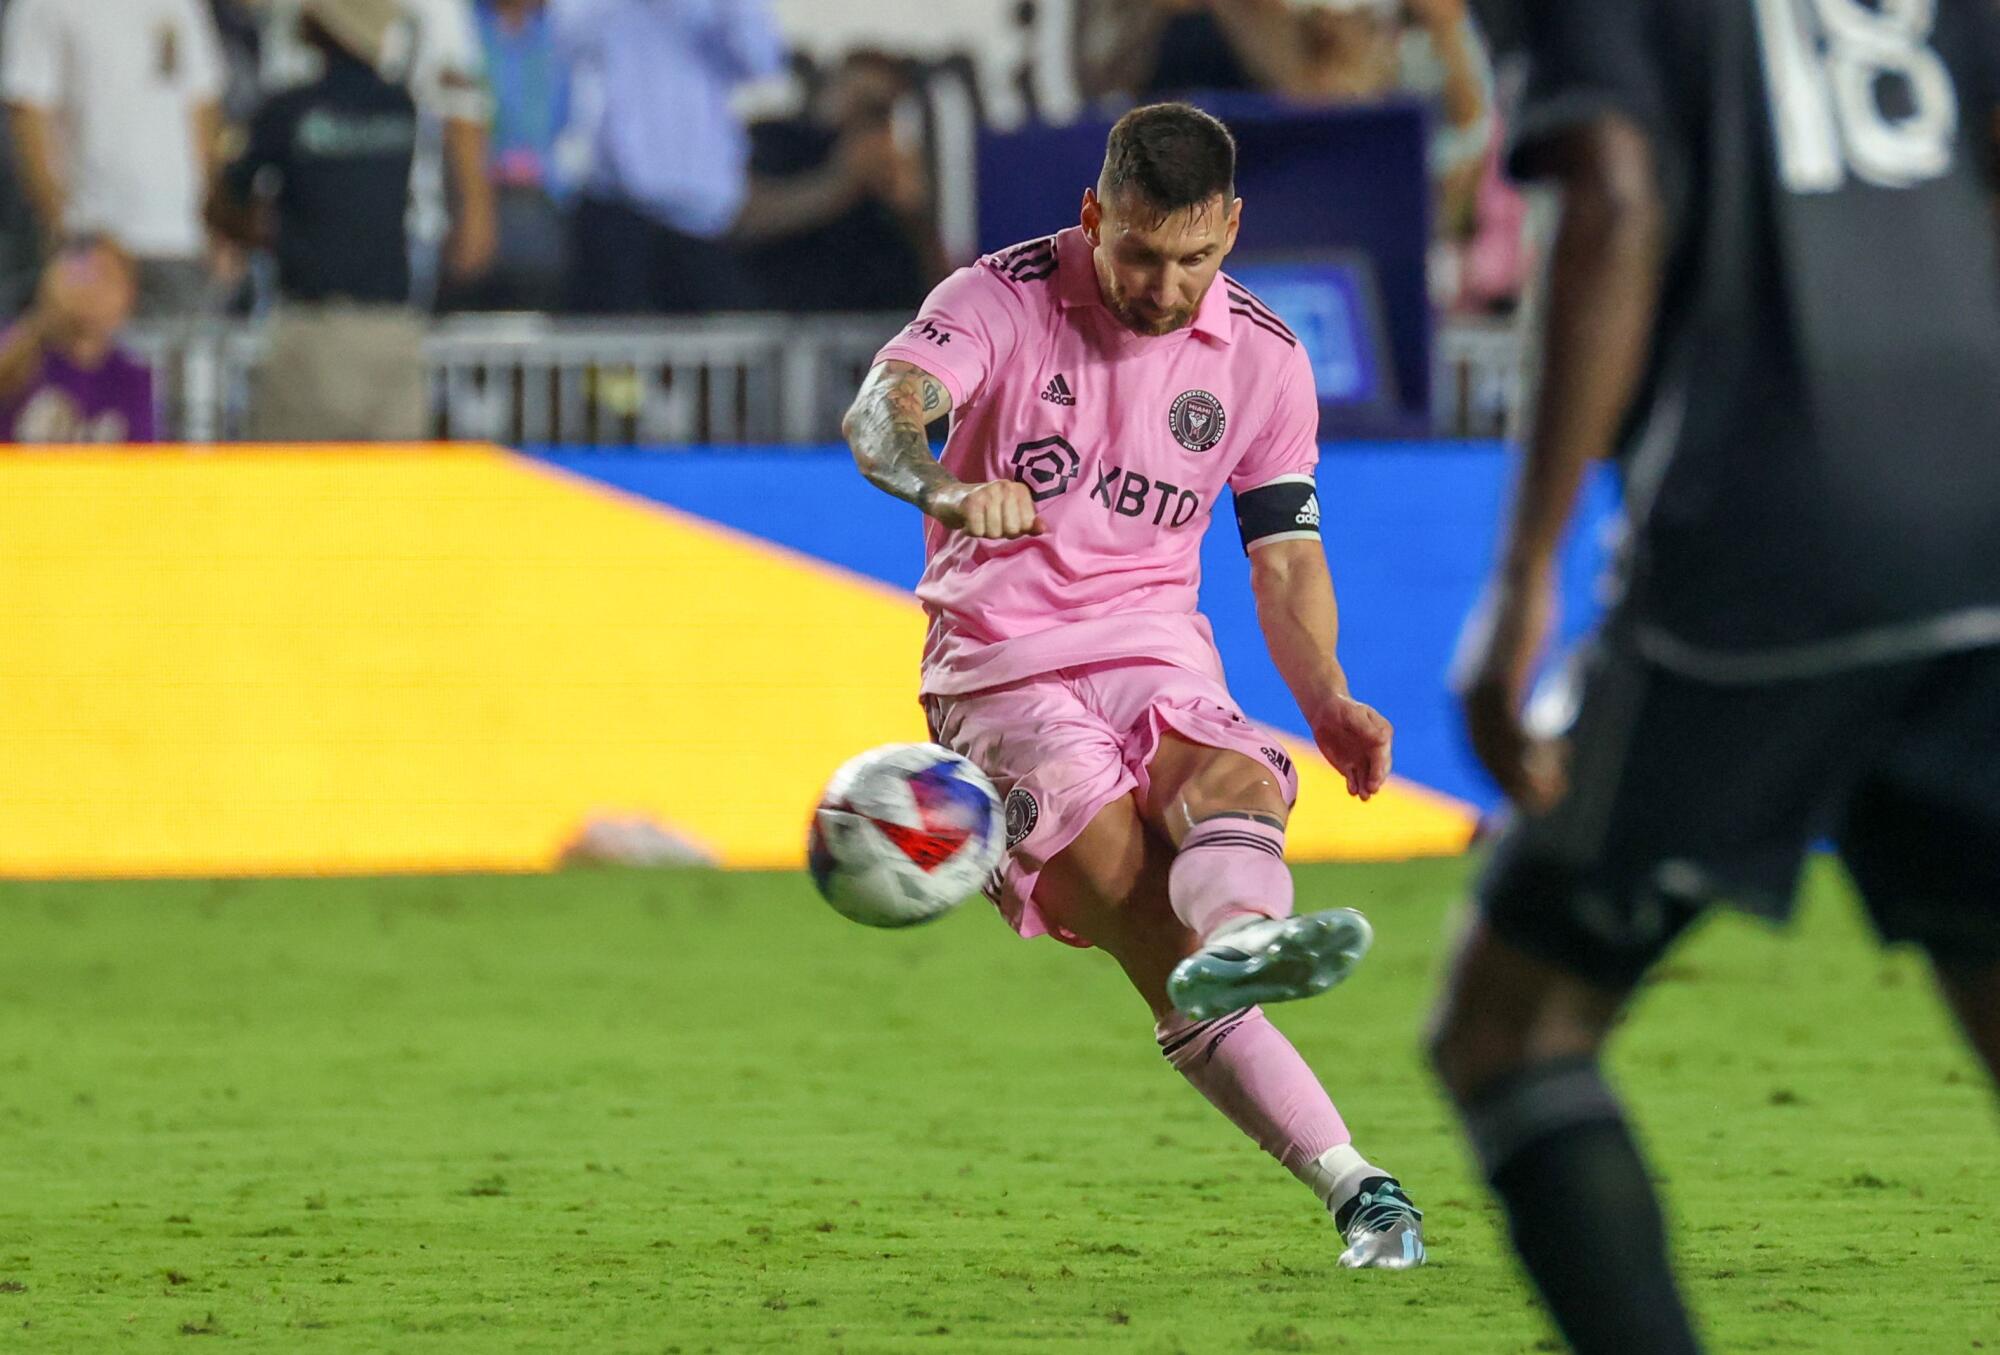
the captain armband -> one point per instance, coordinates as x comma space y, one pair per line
1285, 509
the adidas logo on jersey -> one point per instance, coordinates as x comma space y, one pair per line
1057, 392
1309, 514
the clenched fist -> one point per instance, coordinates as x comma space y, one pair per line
995, 510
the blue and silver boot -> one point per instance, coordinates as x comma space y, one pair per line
1383, 1230
1269, 960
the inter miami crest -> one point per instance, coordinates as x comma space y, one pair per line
1022, 811
1197, 420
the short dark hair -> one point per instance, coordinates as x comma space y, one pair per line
1174, 156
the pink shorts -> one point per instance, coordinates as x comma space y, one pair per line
1062, 746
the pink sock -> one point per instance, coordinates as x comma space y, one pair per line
1229, 869
1249, 1071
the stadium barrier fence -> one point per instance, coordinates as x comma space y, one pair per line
738, 379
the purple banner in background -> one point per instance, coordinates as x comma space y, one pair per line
1339, 200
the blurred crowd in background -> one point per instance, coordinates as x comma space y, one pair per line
346, 168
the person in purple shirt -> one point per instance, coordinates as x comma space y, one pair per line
670, 157
63, 376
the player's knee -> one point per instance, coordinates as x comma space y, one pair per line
1466, 1055
1079, 898
1099, 887
1495, 1021
1470, 1054
1231, 784
1106, 868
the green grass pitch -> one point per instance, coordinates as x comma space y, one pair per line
687, 1112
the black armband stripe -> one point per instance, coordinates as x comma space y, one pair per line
1285, 509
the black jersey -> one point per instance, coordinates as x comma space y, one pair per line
339, 152
1813, 465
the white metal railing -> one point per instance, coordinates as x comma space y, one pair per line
533, 379
528, 379
1478, 379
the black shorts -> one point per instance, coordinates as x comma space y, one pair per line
1685, 793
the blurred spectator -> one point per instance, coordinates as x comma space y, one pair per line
836, 184
1487, 273
444, 62
20, 238
530, 84
114, 112
63, 377
1364, 49
670, 158
1146, 49
236, 26
326, 179
435, 43
1311, 51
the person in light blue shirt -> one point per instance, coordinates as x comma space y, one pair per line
529, 78
670, 159
531, 159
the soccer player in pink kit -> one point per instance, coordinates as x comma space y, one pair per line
1107, 384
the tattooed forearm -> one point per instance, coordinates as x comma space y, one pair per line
885, 429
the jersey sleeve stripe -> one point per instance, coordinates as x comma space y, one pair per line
1279, 480
1028, 263
1269, 326
1035, 251
1243, 298
1248, 302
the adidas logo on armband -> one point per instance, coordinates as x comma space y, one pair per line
1309, 513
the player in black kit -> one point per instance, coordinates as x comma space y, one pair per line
1775, 297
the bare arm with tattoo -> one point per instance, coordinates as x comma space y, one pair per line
885, 431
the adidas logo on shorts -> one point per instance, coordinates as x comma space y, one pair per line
1057, 392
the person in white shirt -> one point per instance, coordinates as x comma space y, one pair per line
114, 107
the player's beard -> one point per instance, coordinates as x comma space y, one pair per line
1151, 324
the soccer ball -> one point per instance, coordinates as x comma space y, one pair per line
904, 833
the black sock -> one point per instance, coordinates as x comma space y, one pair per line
1583, 1214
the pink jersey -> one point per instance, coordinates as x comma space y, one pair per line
1126, 441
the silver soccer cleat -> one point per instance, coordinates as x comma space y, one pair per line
1383, 1230
1273, 960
